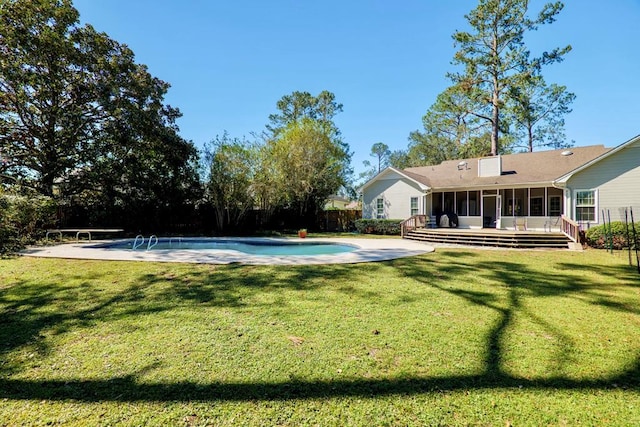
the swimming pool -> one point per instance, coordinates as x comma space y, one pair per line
364, 250
259, 247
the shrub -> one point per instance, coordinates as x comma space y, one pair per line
378, 226
596, 235
22, 220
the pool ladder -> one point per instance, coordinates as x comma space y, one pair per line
139, 241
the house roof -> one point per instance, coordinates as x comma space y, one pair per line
542, 167
338, 198
418, 179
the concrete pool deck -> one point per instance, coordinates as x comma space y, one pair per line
369, 250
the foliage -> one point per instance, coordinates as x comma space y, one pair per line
474, 117
302, 105
22, 219
399, 159
298, 164
378, 226
231, 165
538, 111
451, 131
456, 338
307, 165
598, 236
81, 121
380, 151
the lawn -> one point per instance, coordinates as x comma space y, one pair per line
457, 337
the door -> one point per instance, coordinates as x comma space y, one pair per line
489, 210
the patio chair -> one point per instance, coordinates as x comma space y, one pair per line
552, 222
520, 223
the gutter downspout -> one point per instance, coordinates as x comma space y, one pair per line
425, 194
566, 195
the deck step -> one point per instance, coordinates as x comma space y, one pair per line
495, 238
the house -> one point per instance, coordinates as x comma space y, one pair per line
336, 202
528, 189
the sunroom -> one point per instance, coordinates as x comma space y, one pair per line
517, 208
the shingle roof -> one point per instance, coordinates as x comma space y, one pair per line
540, 167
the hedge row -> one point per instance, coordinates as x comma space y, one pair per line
596, 235
22, 220
378, 226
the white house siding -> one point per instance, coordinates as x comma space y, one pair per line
617, 181
396, 191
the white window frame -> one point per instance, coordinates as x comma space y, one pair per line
595, 205
380, 208
414, 210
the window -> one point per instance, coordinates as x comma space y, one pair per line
436, 203
586, 206
449, 202
474, 203
507, 202
380, 208
461, 203
521, 206
536, 206
414, 206
555, 205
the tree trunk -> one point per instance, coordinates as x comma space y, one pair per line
495, 98
494, 132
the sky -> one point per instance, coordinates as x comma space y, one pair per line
230, 61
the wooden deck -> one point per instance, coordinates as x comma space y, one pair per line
490, 237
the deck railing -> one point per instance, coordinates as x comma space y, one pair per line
416, 221
571, 229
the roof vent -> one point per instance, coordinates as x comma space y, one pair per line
462, 165
567, 153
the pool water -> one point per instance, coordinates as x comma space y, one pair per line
267, 247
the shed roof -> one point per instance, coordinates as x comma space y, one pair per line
541, 167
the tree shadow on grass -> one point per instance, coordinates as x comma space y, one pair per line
521, 281
128, 389
25, 316
27, 308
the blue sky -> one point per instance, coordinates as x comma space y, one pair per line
229, 62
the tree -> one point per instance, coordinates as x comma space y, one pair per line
451, 131
399, 159
231, 166
494, 54
381, 152
48, 108
304, 160
80, 118
538, 111
303, 105
306, 165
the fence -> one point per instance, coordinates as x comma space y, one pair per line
338, 220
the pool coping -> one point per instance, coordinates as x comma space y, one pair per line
368, 250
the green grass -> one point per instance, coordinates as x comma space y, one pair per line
458, 337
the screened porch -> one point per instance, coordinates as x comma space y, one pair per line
532, 208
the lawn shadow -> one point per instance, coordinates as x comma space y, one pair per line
511, 275
28, 308
128, 389
25, 317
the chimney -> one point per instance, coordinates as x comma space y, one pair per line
490, 166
